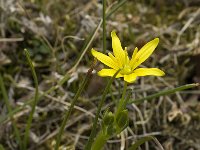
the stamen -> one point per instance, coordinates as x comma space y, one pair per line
134, 52
126, 56
112, 57
115, 59
133, 57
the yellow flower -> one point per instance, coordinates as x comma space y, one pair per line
120, 60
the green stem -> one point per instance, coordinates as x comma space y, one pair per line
8, 106
93, 132
117, 6
164, 92
122, 103
99, 141
67, 114
124, 90
104, 25
36, 98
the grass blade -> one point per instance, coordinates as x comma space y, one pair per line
36, 98
140, 142
104, 26
1, 147
41, 94
165, 92
67, 114
115, 8
10, 114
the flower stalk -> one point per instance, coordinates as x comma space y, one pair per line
99, 141
94, 127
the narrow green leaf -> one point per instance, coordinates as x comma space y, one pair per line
36, 98
68, 112
104, 26
1, 147
115, 8
140, 142
164, 92
9, 108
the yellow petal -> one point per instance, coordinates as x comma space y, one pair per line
117, 48
130, 78
133, 56
105, 59
109, 72
145, 52
149, 71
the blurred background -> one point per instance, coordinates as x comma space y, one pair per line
57, 32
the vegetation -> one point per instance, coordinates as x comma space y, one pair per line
51, 96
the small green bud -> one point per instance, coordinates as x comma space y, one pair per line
108, 123
108, 119
122, 119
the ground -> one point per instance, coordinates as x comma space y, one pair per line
56, 33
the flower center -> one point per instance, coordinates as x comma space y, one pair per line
126, 70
